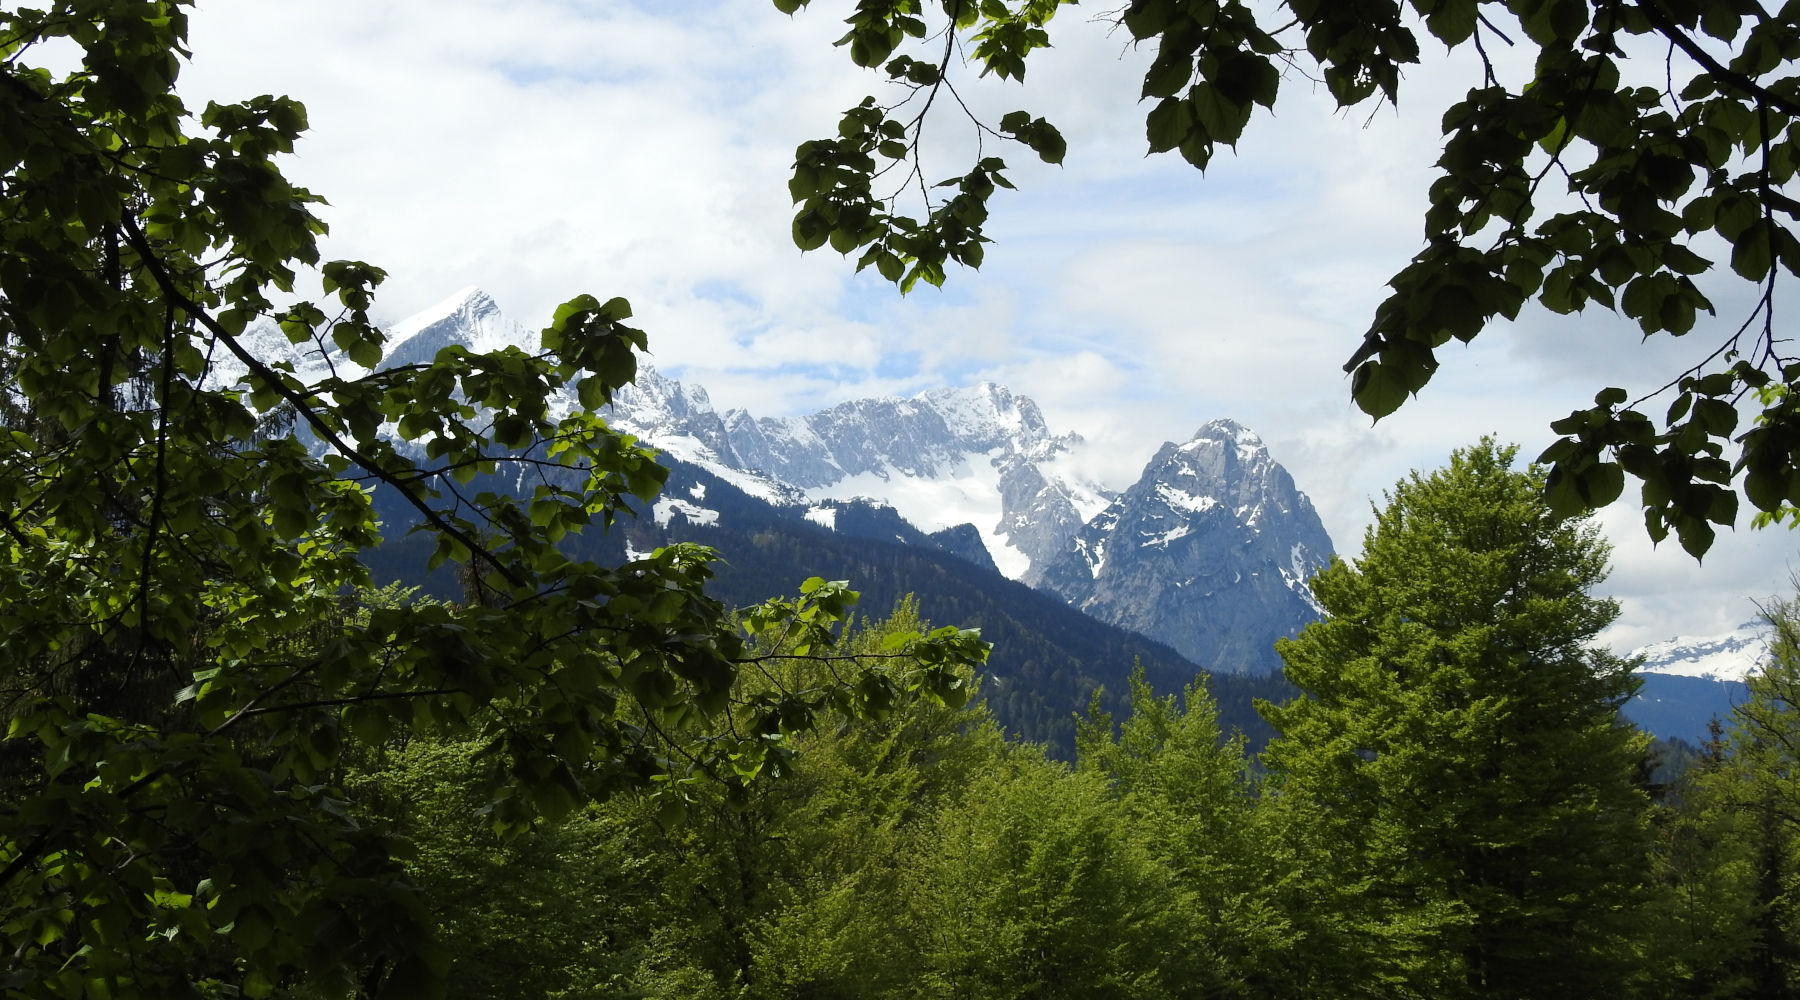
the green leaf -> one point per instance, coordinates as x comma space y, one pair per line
810, 231
1453, 21
1167, 77
1168, 124
1750, 256
1379, 389
365, 353
1601, 484
890, 266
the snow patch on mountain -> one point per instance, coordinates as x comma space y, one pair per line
1162, 540
966, 491
1181, 500
1729, 656
1298, 573
665, 510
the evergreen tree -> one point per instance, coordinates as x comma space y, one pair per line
1457, 754
1765, 749
1033, 884
1186, 789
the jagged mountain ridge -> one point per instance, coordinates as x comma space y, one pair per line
1207, 552
1729, 656
978, 455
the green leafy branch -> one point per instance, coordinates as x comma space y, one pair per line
833, 180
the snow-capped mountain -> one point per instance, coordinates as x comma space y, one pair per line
1209, 552
1731, 656
978, 455
469, 318
1688, 681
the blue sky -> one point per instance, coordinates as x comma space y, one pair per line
541, 150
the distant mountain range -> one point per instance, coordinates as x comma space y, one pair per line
966, 498
1690, 680
961, 497
1731, 656
1209, 552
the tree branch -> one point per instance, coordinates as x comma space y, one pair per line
1672, 31
268, 376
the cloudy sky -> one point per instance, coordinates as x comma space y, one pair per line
541, 150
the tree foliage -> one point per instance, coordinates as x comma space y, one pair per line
1457, 753
1651, 142
1733, 854
183, 661
1187, 789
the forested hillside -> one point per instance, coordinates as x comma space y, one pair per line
1048, 659
1452, 808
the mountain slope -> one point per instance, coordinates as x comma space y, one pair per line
1048, 658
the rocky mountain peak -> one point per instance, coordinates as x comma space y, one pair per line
674, 417
988, 414
469, 318
1209, 551
1225, 465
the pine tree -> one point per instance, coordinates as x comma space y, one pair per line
1457, 754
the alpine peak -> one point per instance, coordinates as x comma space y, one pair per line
470, 318
1210, 551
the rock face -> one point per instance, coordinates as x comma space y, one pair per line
942, 457
1209, 552
964, 542
659, 409
469, 319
